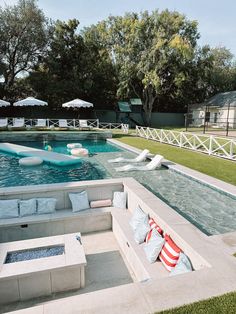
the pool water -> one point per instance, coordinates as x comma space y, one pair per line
210, 210
12, 174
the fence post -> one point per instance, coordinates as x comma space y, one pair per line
210, 145
98, 123
181, 139
231, 150
161, 135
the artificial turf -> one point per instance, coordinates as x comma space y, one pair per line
224, 304
219, 168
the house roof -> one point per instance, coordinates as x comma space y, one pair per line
222, 100
136, 101
124, 106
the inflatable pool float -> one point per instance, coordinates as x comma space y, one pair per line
74, 145
30, 161
81, 152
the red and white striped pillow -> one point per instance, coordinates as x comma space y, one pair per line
170, 253
153, 225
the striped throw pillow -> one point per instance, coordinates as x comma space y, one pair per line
153, 225
170, 253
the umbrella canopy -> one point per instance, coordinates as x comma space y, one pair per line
4, 103
77, 103
30, 101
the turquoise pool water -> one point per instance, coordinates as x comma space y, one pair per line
210, 210
11, 174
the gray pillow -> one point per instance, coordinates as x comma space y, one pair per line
119, 199
27, 207
154, 246
138, 217
9, 208
79, 201
183, 265
141, 231
46, 205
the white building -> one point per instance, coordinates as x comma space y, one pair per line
218, 110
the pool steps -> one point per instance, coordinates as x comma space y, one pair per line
47, 156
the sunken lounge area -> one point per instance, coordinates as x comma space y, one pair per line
93, 263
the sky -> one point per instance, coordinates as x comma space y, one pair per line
216, 18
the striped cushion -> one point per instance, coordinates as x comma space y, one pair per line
153, 225
170, 253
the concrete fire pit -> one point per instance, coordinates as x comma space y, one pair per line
40, 267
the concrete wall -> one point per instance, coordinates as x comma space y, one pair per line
159, 119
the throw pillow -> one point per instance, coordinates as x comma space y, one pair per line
183, 265
153, 225
138, 217
100, 203
9, 208
27, 207
79, 201
141, 231
46, 205
119, 199
170, 253
154, 246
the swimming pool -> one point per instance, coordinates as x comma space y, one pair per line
210, 210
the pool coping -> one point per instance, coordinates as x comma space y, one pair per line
206, 179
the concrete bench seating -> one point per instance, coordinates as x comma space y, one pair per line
134, 252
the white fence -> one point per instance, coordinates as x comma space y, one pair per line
211, 145
70, 124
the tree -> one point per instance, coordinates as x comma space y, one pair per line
152, 54
24, 33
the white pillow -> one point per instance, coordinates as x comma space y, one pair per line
119, 199
138, 217
46, 205
154, 246
79, 201
27, 207
141, 231
183, 265
9, 208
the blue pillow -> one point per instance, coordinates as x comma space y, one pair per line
46, 205
79, 201
9, 208
154, 246
138, 217
28, 207
183, 265
141, 231
119, 199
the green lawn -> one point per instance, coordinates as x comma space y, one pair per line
216, 167
225, 304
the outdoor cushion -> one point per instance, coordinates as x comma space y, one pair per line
119, 199
27, 207
46, 205
170, 253
141, 231
9, 208
153, 225
100, 203
79, 201
154, 246
138, 217
183, 265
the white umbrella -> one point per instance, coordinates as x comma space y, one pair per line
30, 101
4, 103
77, 103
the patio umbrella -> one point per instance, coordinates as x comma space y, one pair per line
30, 101
77, 103
4, 103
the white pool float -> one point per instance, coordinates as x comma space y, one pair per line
74, 145
81, 152
30, 161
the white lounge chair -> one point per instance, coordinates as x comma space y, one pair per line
3, 123
63, 124
83, 124
41, 123
18, 123
152, 165
141, 157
